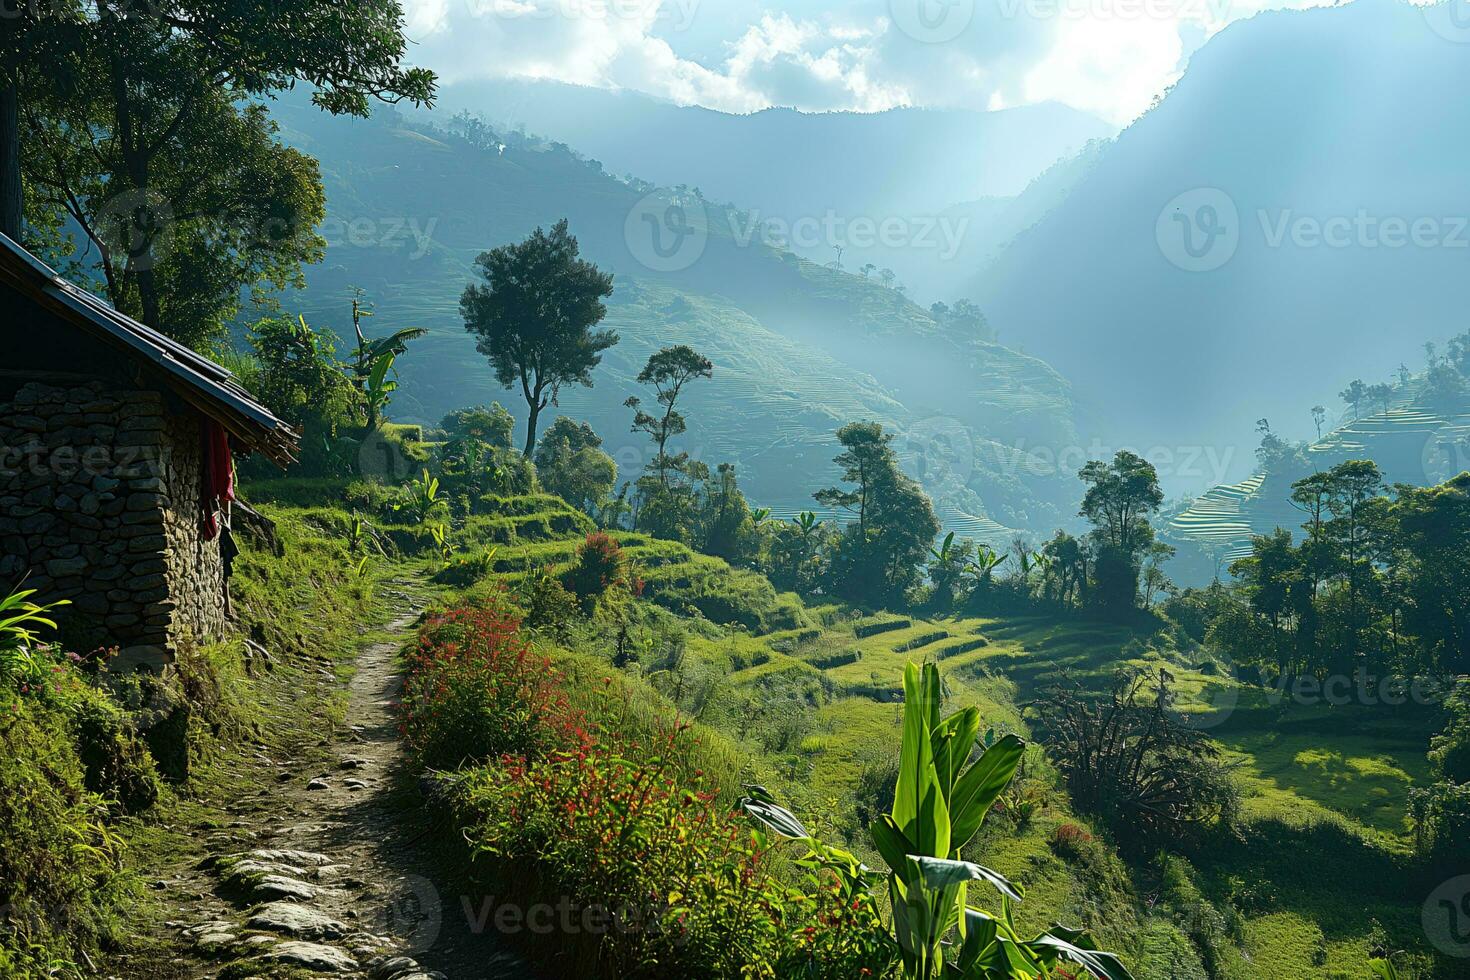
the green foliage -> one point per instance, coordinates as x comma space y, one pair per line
1449, 751
939, 805
534, 315
60, 868
877, 557
374, 372
419, 498
571, 464
600, 571
490, 424
1376, 585
160, 147
25, 666
549, 608
300, 379
464, 572
1120, 498
668, 371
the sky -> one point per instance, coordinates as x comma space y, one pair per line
1111, 58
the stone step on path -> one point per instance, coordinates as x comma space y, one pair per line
279, 925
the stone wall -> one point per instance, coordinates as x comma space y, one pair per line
100, 504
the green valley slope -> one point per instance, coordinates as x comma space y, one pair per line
799, 349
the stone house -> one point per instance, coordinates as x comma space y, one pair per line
116, 464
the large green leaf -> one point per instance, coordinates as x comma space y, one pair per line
938, 873
891, 844
1077, 946
778, 818
979, 787
916, 758
952, 742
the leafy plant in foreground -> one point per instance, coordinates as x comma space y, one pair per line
939, 805
20, 663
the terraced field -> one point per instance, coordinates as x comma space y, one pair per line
1410, 445
811, 694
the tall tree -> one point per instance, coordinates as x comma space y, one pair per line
147, 130
1355, 394
1121, 496
877, 558
668, 370
534, 315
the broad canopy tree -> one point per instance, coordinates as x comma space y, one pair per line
533, 318
878, 557
149, 133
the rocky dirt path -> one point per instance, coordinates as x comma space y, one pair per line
331, 868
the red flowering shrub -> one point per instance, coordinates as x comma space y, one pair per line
1073, 844
657, 877
474, 690
600, 567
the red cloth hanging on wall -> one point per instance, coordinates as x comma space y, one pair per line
219, 476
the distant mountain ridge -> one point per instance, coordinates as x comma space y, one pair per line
799, 349
905, 165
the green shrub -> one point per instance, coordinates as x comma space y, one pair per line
461, 573
600, 567
60, 867
548, 606
116, 763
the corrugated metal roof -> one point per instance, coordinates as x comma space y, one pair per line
208, 387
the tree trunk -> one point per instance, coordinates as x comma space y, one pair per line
11, 203
534, 409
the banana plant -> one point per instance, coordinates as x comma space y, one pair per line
985, 562
375, 360
440, 534
939, 805
806, 525
421, 496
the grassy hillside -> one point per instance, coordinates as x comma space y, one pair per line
798, 348
806, 699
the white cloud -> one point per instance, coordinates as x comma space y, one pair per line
1108, 57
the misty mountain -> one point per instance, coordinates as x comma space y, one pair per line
824, 180
1291, 214
799, 349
